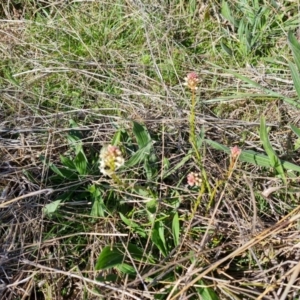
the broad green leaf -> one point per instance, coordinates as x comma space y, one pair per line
108, 278
98, 207
109, 258
56, 170
126, 269
80, 163
67, 162
296, 130
51, 207
166, 164
64, 172
295, 47
114, 256
30, 176
141, 134
74, 137
274, 160
297, 144
295, 77
74, 132
161, 232
155, 237
253, 157
176, 229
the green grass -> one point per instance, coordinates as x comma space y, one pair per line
78, 76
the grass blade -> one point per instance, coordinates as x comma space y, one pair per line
274, 160
295, 47
296, 130
254, 157
295, 77
176, 229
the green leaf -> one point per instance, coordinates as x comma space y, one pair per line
63, 172
109, 258
80, 163
274, 160
295, 77
176, 229
116, 255
117, 138
158, 238
295, 47
267, 91
67, 162
98, 207
253, 157
178, 166
139, 156
296, 130
150, 169
226, 13
141, 134
151, 208
108, 278
206, 293
74, 132
126, 269
51, 207
226, 49
133, 226
74, 138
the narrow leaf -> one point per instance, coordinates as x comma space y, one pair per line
206, 293
295, 47
155, 237
274, 160
178, 166
133, 226
295, 77
296, 130
176, 229
139, 156
267, 91
226, 13
253, 157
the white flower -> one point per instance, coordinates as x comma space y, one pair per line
111, 159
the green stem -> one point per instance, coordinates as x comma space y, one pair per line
193, 141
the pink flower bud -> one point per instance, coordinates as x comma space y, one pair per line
191, 81
235, 152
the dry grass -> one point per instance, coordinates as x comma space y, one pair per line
103, 66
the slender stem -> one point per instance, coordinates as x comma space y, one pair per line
193, 141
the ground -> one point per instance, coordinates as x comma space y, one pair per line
149, 149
